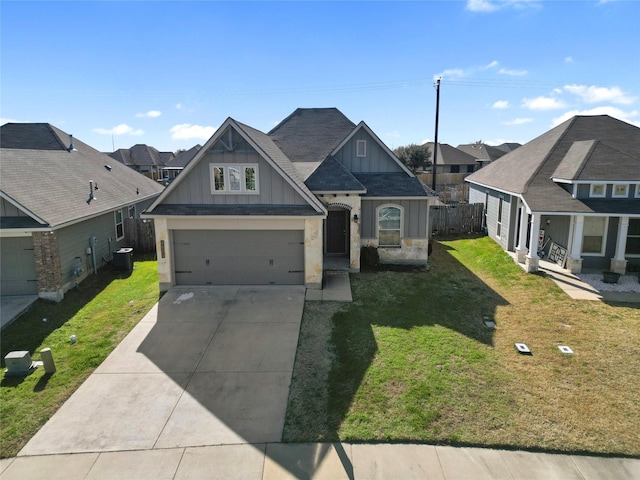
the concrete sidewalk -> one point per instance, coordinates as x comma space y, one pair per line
277, 461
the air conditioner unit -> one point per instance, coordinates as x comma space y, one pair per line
18, 364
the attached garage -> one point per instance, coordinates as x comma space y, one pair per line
239, 257
17, 267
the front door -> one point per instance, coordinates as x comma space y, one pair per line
337, 225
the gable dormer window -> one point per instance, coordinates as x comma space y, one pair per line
237, 179
598, 190
361, 148
620, 190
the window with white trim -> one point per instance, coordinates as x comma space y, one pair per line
228, 178
361, 148
119, 224
594, 235
633, 238
132, 211
637, 195
389, 226
598, 190
620, 190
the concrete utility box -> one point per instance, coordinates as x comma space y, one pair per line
18, 363
123, 259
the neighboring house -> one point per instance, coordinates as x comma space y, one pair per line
256, 208
62, 209
452, 160
508, 147
484, 154
175, 165
143, 159
578, 186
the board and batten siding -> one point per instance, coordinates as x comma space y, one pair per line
414, 220
377, 160
195, 189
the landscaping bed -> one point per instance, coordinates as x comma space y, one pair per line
411, 359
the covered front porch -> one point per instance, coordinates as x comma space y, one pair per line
577, 242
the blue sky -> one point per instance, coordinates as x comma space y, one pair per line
167, 74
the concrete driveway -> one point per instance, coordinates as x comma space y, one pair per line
206, 366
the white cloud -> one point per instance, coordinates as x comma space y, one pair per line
493, 5
149, 114
543, 103
178, 106
501, 104
9, 120
611, 111
593, 94
518, 121
186, 131
568, 59
512, 73
490, 65
481, 6
451, 73
122, 129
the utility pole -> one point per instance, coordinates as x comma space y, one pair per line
435, 143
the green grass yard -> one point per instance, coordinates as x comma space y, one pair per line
411, 360
99, 313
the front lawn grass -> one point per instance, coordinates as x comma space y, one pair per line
99, 314
411, 360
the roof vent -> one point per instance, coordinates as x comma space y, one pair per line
71, 147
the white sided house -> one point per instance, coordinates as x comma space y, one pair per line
261, 209
572, 195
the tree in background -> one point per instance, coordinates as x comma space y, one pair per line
415, 157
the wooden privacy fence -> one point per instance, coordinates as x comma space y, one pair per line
140, 235
456, 218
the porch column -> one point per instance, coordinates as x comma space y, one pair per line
574, 260
618, 262
521, 248
313, 253
532, 260
164, 253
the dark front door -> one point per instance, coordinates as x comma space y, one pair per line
337, 223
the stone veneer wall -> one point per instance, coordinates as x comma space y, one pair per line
46, 253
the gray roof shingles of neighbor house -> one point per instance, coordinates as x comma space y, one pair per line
50, 181
448, 155
595, 148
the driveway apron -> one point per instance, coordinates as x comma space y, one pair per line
205, 366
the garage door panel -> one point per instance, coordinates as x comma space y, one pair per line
239, 257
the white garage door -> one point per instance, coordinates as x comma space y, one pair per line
17, 267
239, 257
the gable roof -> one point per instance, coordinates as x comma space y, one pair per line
448, 155
311, 134
265, 146
44, 179
183, 158
609, 146
481, 151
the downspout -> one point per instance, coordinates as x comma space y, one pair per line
93, 241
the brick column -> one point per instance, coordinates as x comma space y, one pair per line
48, 268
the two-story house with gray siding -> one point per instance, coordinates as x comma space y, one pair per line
576, 187
268, 208
62, 209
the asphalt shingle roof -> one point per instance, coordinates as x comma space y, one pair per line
53, 183
607, 148
448, 155
331, 176
311, 134
397, 184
